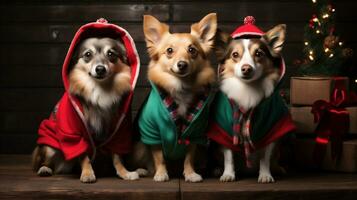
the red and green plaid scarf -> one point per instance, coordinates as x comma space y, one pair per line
183, 122
241, 129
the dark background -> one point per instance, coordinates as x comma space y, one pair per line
35, 36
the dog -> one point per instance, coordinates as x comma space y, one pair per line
249, 73
180, 68
99, 78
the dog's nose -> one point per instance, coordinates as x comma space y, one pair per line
182, 65
100, 70
246, 69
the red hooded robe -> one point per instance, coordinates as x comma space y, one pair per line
66, 129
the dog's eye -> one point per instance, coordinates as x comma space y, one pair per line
87, 54
111, 54
169, 50
192, 50
235, 54
259, 53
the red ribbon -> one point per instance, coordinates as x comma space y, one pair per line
333, 123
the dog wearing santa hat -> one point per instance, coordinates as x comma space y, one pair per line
250, 115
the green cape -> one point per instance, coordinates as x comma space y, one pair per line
270, 121
157, 127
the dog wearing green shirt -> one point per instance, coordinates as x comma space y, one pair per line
249, 113
174, 118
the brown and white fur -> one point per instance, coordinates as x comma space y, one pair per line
249, 74
180, 66
99, 77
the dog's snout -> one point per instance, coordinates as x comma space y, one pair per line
100, 70
246, 69
182, 65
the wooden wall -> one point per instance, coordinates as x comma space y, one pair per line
35, 36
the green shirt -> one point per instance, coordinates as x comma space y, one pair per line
157, 127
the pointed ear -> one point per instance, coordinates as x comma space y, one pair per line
221, 43
206, 30
275, 38
154, 31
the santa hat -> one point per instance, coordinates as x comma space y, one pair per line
248, 29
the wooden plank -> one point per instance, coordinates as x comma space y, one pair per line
61, 33
21, 122
268, 11
296, 186
17, 181
45, 54
45, 76
81, 13
56, 33
31, 76
12, 143
43, 99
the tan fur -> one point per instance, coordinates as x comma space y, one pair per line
183, 88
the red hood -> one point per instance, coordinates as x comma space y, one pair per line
101, 28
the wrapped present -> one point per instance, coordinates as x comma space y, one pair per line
304, 91
304, 119
304, 156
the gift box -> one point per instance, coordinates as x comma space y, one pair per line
304, 148
304, 119
304, 91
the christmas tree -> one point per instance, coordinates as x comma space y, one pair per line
324, 51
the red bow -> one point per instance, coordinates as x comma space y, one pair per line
333, 123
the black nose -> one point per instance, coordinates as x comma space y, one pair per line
100, 70
182, 65
246, 69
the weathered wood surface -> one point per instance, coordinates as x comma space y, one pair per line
17, 181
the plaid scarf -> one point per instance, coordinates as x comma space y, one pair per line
183, 122
241, 129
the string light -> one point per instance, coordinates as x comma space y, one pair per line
340, 43
327, 50
355, 80
311, 57
313, 1
333, 10
317, 31
331, 55
325, 16
315, 19
311, 52
306, 43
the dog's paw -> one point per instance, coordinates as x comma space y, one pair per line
142, 172
131, 176
160, 177
88, 177
228, 177
265, 178
193, 177
45, 171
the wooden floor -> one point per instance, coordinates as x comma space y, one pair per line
17, 181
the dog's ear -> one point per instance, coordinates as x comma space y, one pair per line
154, 31
275, 38
206, 30
221, 43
